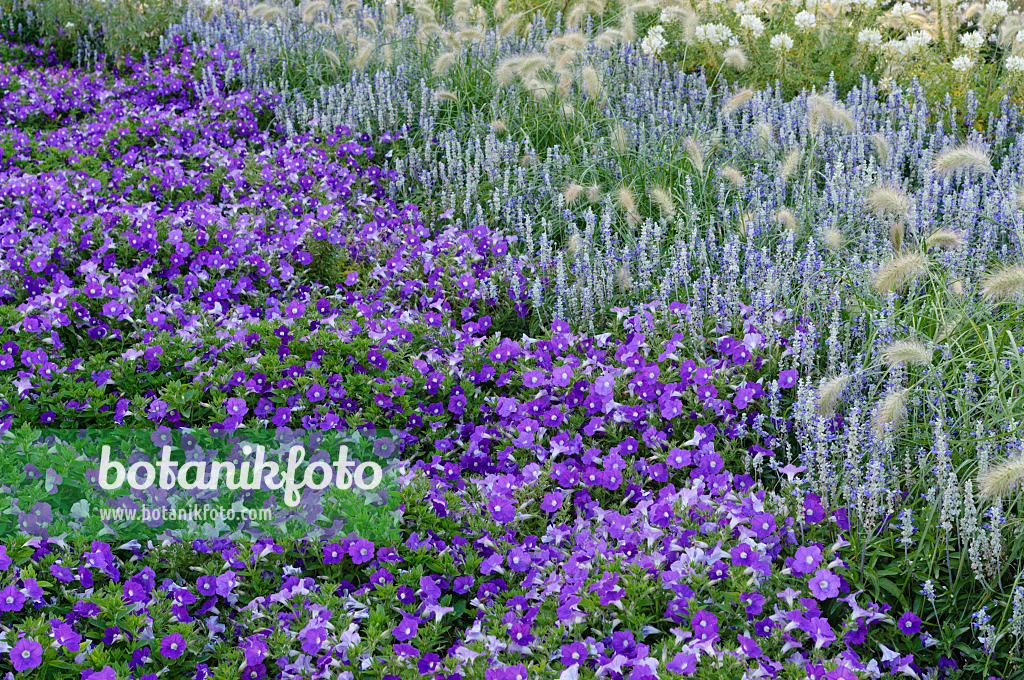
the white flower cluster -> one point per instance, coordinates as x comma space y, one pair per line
781, 43
963, 64
998, 9
753, 24
1015, 65
654, 42
917, 40
870, 37
716, 34
902, 9
805, 20
972, 42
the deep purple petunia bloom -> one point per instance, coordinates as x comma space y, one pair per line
172, 646
909, 624
824, 584
26, 655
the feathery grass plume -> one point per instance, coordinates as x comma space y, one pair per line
446, 96
620, 139
593, 193
880, 145
565, 61
662, 198
540, 89
572, 193
763, 131
370, 24
627, 26
531, 64
791, 163
574, 17
625, 199
527, 159
892, 411
500, 9
608, 38
1002, 478
624, 279
907, 352
444, 62
568, 110
888, 200
270, 13
363, 54
332, 57
900, 271
592, 83
957, 287
498, 126
424, 33
964, 157
1003, 284
786, 218
737, 100
506, 70
570, 41
829, 393
343, 28
510, 25
733, 176
695, 154
896, 232
949, 326
946, 239
311, 9
735, 58
1020, 198
575, 243
351, 6
470, 34
423, 11
823, 110
834, 239
563, 88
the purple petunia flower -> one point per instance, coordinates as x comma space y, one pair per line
824, 584
172, 646
909, 624
26, 655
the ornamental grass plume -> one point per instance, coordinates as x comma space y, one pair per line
891, 412
829, 393
510, 25
735, 58
662, 198
1003, 284
834, 239
363, 54
572, 193
620, 138
733, 176
1020, 198
575, 243
593, 192
823, 110
786, 218
311, 9
446, 96
763, 133
907, 352
900, 271
444, 62
498, 126
332, 57
1002, 478
880, 145
896, 233
592, 86
888, 200
737, 100
947, 239
790, 163
608, 38
624, 279
695, 154
964, 157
